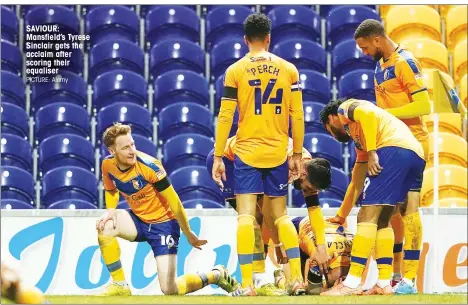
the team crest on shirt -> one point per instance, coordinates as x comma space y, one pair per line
385, 75
136, 184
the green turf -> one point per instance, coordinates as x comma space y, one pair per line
417, 299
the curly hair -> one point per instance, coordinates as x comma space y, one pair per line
113, 132
319, 173
330, 108
368, 28
257, 27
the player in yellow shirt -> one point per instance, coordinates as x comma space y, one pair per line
156, 216
393, 160
265, 90
400, 90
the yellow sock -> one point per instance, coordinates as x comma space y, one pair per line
188, 283
398, 230
258, 265
288, 236
383, 252
363, 242
110, 251
245, 247
412, 246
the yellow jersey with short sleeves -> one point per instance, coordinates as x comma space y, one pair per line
136, 186
267, 90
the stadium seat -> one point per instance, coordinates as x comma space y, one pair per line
169, 22
405, 22
219, 90
312, 117
65, 150
430, 53
235, 124
182, 118
112, 22
452, 150
69, 182
194, 182
463, 94
352, 155
60, 15
202, 204
326, 9
267, 8
180, 86
16, 151
119, 86
73, 91
14, 204
14, 120
225, 22
12, 59
13, 89
384, 9
62, 118
429, 80
453, 203
357, 84
343, 21
127, 113
324, 146
294, 21
9, 25
448, 122
460, 62
186, 149
225, 54
330, 202
205, 9
17, 184
123, 204
348, 57
456, 25
76, 62
142, 144
26, 8
85, 9
304, 54
340, 183
115, 54
75, 204
452, 184
331, 195
445, 9
297, 198
172, 55
315, 86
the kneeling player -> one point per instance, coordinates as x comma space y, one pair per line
13, 290
156, 216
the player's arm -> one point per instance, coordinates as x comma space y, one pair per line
317, 222
297, 113
167, 191
354, 189
111, 195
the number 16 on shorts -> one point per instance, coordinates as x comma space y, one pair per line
167, 240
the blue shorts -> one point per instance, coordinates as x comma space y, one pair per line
228, 191
296, 221
162, 237
268, 181
401, 169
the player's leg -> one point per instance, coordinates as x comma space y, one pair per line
398, 230
14, 290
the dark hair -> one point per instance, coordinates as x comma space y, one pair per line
330, 108
319, 173
257, 27
368, 28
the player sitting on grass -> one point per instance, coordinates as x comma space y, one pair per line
156, 216
13, 290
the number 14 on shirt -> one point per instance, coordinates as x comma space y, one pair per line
265, 98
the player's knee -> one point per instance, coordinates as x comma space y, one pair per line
108, 230
169, 288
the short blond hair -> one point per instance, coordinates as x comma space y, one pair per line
111, 133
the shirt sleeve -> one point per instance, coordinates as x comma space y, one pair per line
230, 85
296, 111
408, 71
361, 156
106, 180
154, 172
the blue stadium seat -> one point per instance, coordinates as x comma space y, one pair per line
142, 144
16, 151
13, 89
172, 55
14, 120
267, 8
235, 124
112, 22
119, 86
225, 22
75, 204
76, 62
171, 22
347, 57
303, 53
219, 90
65, 150
73, 91
62, 118
330, 202
352, 154
183, 117
144, 9
135, 115
294, 21
180, 86
324, 146
60, 15
17, 184
194, 182
343, 21
123, 204
9, 25
225, 54
312, 117
357, 84
339, 184
86, 9
14, 204
186, 149
26, 8
202, 204
69, 182
12, 59
205, 9
115, 54
297, 198
315, 86
325, 9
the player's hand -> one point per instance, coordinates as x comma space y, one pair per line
281, 257
194, 241
373, 165
321, 258
110, 215
219, 171
336, 219
294, 166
